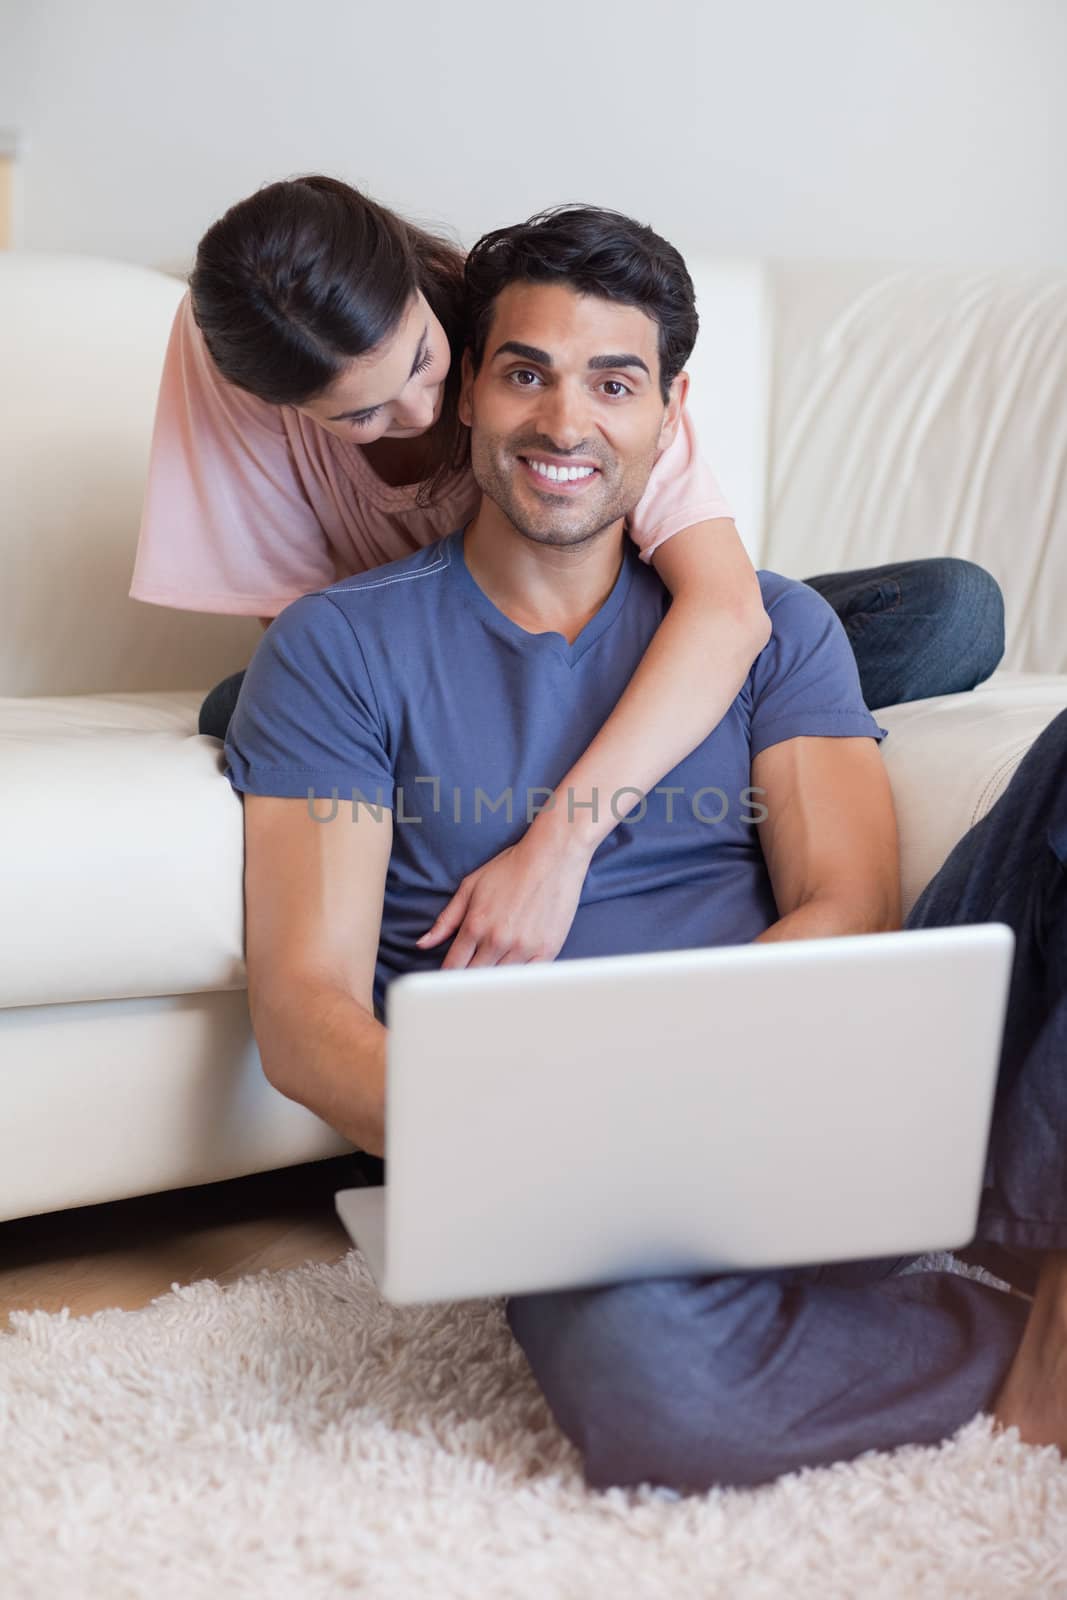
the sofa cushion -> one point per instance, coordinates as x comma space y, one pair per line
123, 851
951, 758
124, 869
81, 351
918, 411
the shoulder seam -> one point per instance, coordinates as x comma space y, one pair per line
441, 560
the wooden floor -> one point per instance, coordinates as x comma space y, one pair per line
127, 1253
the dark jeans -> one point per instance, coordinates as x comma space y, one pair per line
736, 1378
917, 628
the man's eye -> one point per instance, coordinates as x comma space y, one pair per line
617, 387
523, 373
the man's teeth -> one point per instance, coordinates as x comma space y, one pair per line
560, 474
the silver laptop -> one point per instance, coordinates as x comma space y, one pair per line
583, 1122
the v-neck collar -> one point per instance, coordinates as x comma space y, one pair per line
503, 625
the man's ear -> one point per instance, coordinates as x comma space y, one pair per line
465, 387
672, 417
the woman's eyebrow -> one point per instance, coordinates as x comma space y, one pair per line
364, 411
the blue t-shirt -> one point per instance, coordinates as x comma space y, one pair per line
406, 687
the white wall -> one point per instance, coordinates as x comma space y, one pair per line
888, 129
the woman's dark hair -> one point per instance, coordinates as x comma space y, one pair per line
592, 251
305, 275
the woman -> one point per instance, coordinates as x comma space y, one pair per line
307, 430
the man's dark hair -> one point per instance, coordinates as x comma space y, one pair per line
593, 251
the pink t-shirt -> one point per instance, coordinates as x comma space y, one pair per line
248, 506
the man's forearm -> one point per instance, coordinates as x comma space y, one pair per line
827, 918
325, 1050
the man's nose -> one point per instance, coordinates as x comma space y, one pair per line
563, 414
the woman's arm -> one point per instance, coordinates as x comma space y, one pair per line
690, 675
520, 905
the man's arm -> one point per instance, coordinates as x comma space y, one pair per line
313, 912
829, 838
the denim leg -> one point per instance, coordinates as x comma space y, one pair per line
918, 628
690, 1382
218, 706
693, 1382
1012, 867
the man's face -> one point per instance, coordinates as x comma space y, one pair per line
566, 413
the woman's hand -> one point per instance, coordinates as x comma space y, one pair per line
518, 907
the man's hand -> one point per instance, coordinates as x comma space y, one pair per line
517, 908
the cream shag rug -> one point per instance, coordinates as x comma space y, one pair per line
293, 1435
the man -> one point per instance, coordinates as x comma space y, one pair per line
397, 729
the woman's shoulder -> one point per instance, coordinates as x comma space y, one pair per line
209, 400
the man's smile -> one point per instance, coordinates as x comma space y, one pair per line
558, 474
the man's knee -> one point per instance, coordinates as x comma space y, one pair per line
969, 602
659, 1381
218, 707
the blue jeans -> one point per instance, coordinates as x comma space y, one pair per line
917, 629
735, 1378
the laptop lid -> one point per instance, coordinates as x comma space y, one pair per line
581, 1122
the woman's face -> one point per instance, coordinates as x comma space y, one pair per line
393, 392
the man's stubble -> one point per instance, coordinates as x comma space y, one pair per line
562, 525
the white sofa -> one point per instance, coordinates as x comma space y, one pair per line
854, 415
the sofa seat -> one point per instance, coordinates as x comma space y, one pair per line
951, 758
127, 877
123, 870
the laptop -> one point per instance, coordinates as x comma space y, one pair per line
574, 1123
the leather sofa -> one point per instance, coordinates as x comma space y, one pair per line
854, 414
